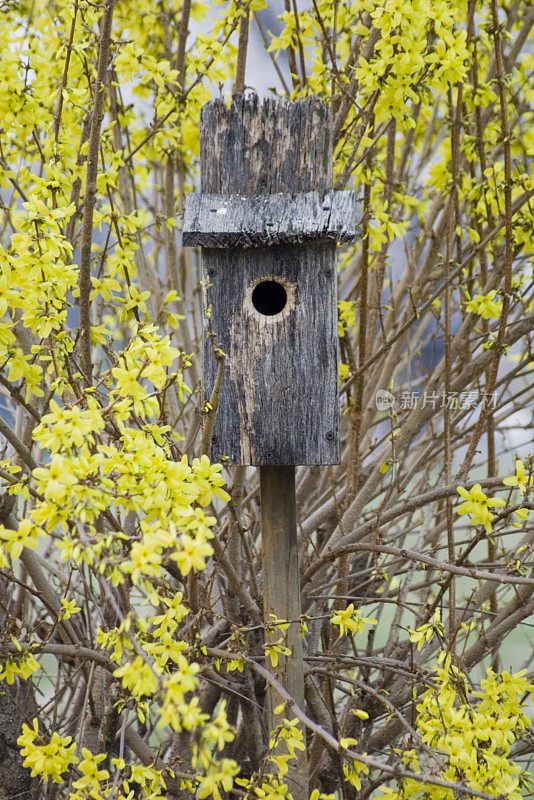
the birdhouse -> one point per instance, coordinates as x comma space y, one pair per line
267, 221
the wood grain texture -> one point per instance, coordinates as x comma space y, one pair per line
279, 395
281, 598
267, 146
279, 401
213, 220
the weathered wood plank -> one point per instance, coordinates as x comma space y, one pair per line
265, 146
233, 221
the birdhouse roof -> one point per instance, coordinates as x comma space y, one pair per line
234, 221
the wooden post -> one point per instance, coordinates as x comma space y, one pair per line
281, 597
267, 220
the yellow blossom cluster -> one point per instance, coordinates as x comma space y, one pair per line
350, 620
474, 730
478, 506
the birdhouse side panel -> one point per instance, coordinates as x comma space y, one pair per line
273, 311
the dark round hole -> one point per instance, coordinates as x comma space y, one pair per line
269, 298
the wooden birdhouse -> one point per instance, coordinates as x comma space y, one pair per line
268, 221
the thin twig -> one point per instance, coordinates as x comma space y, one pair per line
211, 413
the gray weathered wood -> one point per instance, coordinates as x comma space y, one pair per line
281, 596
265, 146
279, 401
213, 220
279, 396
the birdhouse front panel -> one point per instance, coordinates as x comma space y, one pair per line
273, 312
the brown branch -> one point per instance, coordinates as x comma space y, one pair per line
47, 594
442, 566
447, 421
183, 31
69, 651
214, 404
424, 307
483, 259
59, 108
239, 84
357, 410
17, 444
237, 582
404, 506
84, 282
271, 55
302, 55
291, 53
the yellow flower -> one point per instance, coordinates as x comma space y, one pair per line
166, 647
22, 667
522, 515
25, 536
145, 560
273, 649
138, 677
424, 633
350, 620
485, 305
208, 480
69, 608
56, 480
347, 316
89, 768
478, 506
191, 554
520, 479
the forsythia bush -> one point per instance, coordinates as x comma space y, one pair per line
126, 609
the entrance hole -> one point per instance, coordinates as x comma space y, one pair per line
269, 298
